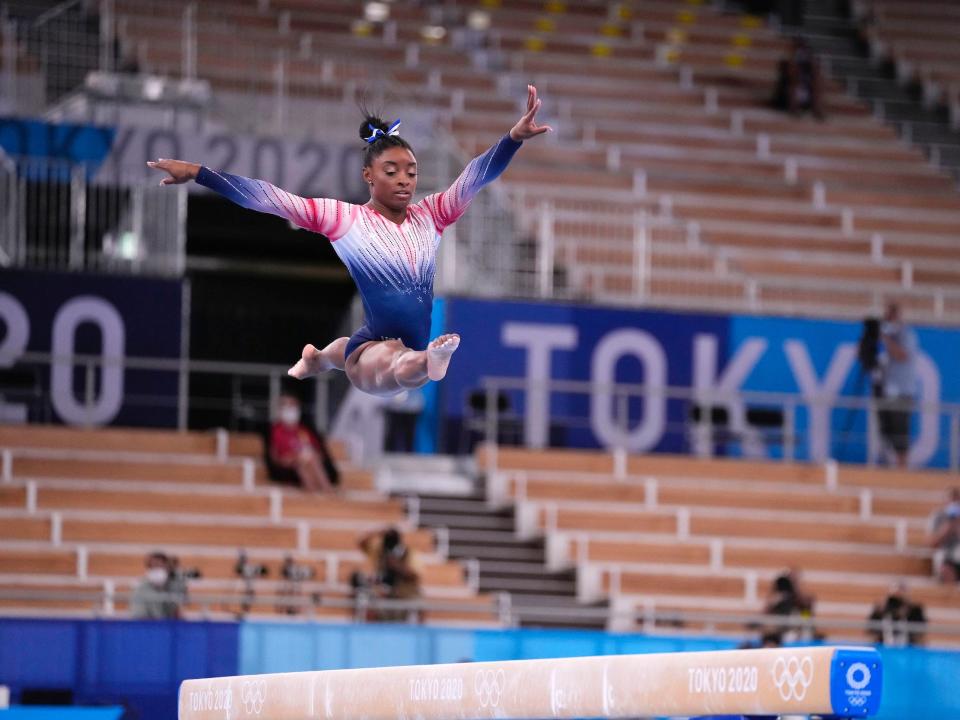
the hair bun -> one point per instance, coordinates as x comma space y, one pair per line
371, 123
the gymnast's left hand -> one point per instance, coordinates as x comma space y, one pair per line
526, 126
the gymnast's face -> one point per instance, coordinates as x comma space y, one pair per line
392, 178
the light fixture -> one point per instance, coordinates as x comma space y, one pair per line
376, 12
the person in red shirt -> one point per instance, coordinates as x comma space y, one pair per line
294, 447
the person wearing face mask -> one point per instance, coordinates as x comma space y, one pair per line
151, 598
295, 449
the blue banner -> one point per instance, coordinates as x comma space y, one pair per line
66, 315
120, 153
139, 664
710, 355
817, 359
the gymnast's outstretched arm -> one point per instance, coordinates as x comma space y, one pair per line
448, 206
321, 215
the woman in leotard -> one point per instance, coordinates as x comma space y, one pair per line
388, 245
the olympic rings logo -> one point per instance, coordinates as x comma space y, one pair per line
793, 677
489, 686
253, 694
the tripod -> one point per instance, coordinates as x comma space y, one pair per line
876, 391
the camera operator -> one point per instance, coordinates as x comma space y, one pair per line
294, 575
892, 613
396, 575
152, 597
898, 382
787, 597
177, 581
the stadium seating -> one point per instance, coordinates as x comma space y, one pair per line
81, 508
921, 38
668, 533
664, 141
661, 107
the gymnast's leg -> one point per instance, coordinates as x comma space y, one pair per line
314, 361
388, 367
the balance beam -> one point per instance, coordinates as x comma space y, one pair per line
841, 681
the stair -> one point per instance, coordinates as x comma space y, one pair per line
507, 563
834, 36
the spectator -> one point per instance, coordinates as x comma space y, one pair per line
899, 382
152, 599
943, 514
295, 448
396, 572
946, 542
895, 610
786, 597
799, 82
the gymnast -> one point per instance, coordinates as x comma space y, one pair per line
388, 245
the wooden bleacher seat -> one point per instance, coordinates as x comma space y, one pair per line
590, 65
672, 528
84, 507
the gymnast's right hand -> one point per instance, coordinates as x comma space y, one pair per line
178, 171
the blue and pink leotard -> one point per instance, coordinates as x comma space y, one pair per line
392, 265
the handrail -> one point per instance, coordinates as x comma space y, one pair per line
701, 434
109, 597
711, 396
183, 368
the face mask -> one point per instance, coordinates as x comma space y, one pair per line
156, 576
290, 416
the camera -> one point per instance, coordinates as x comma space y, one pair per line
296, 573
179, 574
248, 570
187, 574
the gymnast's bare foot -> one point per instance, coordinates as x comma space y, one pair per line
439, 353
311, 363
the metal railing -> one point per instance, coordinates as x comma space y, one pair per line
631, 251
642, 417
92, 391
58, 215
364, 608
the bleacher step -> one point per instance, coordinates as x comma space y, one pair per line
460, 506
493, 538
497, 553
467, 522
508, 567
566, 588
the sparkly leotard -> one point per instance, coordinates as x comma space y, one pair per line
392, 265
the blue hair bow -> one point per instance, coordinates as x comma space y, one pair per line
377, 133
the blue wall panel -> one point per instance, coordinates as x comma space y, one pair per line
40, 652
136, 664
140, 664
